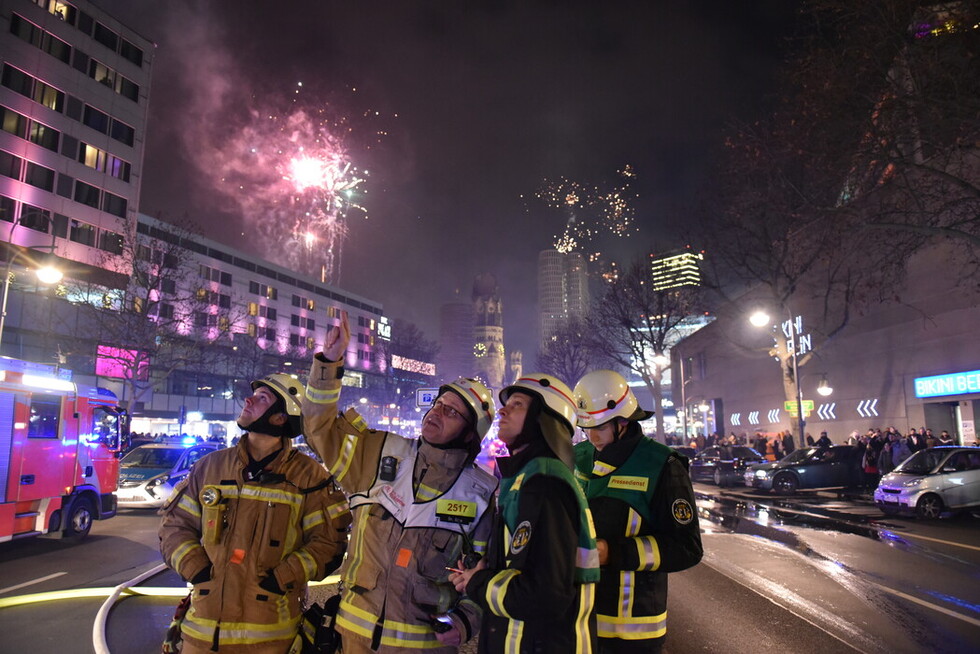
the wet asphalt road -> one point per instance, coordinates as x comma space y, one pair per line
812, 573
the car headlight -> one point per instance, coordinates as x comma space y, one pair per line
761, 474
155, 483
913, 482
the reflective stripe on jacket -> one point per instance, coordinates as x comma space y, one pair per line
395, 576
244, 530
641, 498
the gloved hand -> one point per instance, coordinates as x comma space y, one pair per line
203, 575
270, 584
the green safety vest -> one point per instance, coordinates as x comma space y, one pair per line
587, 557
633, 482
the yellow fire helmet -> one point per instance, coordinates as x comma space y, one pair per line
602, 395
478, 398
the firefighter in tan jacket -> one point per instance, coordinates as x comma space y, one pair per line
249, 527
419, 506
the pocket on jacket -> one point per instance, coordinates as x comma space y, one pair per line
438, 550
275, 531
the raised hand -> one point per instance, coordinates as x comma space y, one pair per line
337, 339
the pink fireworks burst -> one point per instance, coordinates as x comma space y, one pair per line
290, 174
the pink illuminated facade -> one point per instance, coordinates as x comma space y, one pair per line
74, 92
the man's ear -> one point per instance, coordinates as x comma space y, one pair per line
278, 419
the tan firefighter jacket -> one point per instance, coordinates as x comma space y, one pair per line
417, 509
245, 529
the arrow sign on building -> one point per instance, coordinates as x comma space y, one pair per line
736, 419
753, 417
827, 411
868, 408
774, 415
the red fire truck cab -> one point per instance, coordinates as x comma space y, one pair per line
59, 443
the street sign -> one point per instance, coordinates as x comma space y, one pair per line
790, 407
424, 397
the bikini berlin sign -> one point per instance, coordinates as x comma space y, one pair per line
954, 383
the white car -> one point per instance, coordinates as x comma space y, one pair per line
148, 473
932, 481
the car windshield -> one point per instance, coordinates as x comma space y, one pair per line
151, 457
922, 462
746, 453
801, 455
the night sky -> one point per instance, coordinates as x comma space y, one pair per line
459, 110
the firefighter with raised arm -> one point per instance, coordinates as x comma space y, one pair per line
250, 526
641, 499
419, 505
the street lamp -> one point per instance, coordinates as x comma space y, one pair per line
683, 411
761, 319
824, 387
46, 273
704, 408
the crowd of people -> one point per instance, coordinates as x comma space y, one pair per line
881, 449
438, 550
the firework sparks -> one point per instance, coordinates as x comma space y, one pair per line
590, 210
289, 172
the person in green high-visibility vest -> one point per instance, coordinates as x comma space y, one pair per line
537, 582
640, 495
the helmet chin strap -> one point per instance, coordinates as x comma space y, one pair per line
619, 429
262, 424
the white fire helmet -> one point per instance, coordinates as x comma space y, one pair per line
478, 398
602, 395
555, 394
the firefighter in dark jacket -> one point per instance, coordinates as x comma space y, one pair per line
537, 583
250, 526
641, 499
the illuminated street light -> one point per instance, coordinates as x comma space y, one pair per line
46, 274
824, 387
761, 319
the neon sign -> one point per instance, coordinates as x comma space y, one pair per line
954, 383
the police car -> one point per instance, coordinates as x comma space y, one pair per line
148, 473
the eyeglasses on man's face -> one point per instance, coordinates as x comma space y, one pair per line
449, 411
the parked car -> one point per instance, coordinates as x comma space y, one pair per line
808, 467
689, 452
724, 464
148, 473
931, 481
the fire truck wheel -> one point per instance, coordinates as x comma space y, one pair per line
79, 519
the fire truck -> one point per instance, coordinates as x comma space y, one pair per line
59, 446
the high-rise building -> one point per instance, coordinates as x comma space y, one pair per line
455, 357
563, 289
74, 92
675, 269
515, 359
488, 331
